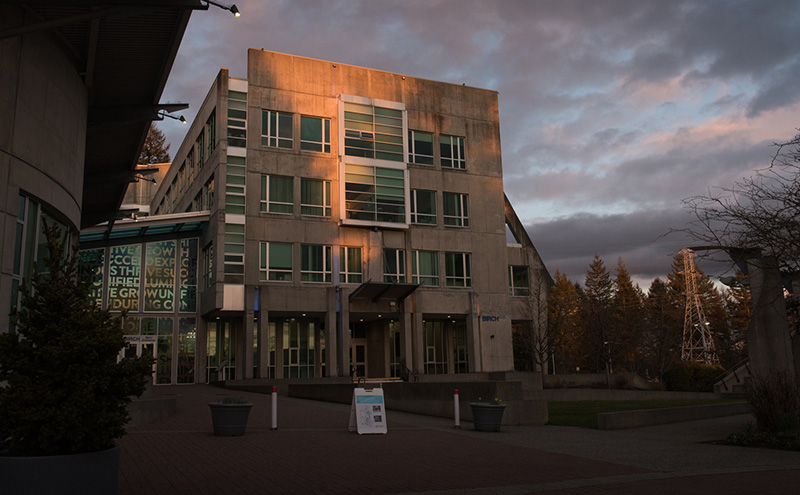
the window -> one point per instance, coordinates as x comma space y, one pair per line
435, 342
315, 263
235, 184
423, 206
457, 270
455, 209
211, 130
425, 268
451, 149
237, 118
518, 281
420, 147
208, 194
208, 266
350, 265
460, 347
275, 262
234, 253
276, 129
394, 265
373, 132
315, 197
277, 194
375, 194
315, 134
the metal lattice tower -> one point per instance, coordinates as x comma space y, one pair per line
698, 345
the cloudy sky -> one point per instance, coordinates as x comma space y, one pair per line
611, 112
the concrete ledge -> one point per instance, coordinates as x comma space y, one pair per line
151, 409
648, 417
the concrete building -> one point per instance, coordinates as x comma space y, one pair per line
357, 225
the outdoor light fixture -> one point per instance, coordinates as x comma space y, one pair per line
138, 177
165, 114
232, 8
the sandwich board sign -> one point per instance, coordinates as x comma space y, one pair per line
368, 412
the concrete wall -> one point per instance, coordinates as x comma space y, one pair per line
41, 94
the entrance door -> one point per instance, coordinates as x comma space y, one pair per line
358, 358
139, 345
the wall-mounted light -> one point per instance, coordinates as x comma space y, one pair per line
138, 177
232, 8
165, 114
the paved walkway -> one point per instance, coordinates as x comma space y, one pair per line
313, 452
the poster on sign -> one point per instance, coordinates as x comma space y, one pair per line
368, 412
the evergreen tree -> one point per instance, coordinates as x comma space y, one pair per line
154, 149
739, 306
63, 390
660, 345
563, 323
598, 316
629, 318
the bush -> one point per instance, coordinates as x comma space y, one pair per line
64, 391
691, 376
775, 401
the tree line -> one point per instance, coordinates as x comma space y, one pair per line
608, 324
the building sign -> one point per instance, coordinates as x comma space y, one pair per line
188, 276
124, 272
490, 318
159, 280
368, 412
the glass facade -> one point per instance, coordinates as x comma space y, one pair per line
155, 284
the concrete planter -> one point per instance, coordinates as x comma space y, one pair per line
486, 416
229, 420
79, 474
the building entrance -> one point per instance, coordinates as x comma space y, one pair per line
139, 345
358, 350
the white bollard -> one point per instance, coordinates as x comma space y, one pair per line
456, 406
274, 409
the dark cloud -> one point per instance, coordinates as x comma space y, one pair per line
619, 106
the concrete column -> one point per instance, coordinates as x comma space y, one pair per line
344, 332
263, 329
768, 341
332, 362
201, 349
407, 335
418, 345
474, 342
247, 358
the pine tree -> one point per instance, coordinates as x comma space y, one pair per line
629, 317
660, 346
64, 391
598, 316
563, 323
154, 150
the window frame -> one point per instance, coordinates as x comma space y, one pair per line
325, 131
267, 203
518, 290
326, 256
414, 207
306, 206
460, 217
273, 134
461, 262
346, 262
456, 152
416, 157
420, 278
398, 256
267, 270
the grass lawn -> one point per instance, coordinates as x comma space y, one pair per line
584, 413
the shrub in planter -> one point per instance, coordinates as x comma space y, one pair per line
64, 391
